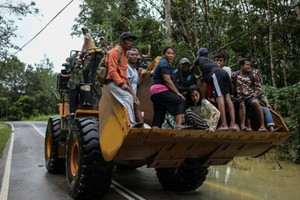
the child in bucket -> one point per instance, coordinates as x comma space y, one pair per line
201, 114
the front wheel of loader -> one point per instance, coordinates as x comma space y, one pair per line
54, 164
187, 177
88, 174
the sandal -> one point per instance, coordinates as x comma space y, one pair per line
222, 129
184, 127
262, 130
278, 129
137, 125
244, 129
249, 129
233, 129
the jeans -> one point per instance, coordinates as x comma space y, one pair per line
268, 116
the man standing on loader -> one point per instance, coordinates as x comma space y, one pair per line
116, 78
88, 40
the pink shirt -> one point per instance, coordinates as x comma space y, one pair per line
158, 88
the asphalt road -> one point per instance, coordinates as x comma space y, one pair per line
26, 177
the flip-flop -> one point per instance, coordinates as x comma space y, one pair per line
232, 129
262, 130
244, 129
249, 129
278, 129
184, 127
223, 129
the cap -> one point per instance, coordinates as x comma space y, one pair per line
102, 38
184, 60
203, 51
84, 28
126, 35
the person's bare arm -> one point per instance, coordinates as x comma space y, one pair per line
149, 52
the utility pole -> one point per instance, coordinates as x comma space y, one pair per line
6, 112
168, 22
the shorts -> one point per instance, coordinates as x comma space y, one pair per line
221, 82
249, 101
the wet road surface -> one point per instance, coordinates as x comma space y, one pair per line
241, 179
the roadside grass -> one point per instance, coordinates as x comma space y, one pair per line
5, 131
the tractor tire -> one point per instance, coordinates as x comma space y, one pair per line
88, 174
54, 164
187, 177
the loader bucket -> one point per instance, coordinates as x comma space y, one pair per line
160, 148
168, 147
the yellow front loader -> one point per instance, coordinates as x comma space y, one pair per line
89, 145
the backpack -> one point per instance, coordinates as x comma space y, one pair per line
102, 69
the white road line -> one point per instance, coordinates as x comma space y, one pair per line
113, 182
128, 191
122, 193
38, 130
5, 180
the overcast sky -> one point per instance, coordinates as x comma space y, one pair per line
55, 41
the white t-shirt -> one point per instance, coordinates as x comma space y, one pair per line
228, 70
133, 77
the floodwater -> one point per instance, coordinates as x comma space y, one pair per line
256, 178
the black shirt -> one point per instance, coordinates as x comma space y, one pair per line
207, 67
183, 80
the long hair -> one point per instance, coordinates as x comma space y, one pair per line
189, 100
164, 51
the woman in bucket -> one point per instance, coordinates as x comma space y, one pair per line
201, 114
164, 94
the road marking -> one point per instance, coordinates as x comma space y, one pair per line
127, 190
38, 130
5, 180
234, 191
116, 186
122, 193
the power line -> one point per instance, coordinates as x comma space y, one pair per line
44, 27
261, 26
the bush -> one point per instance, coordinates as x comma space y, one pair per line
4, 135
286, 101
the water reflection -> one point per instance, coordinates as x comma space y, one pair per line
256, 179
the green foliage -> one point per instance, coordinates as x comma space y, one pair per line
220, 25
238, 28
27, 91
4, 135
287, 102
111, 18
7, 27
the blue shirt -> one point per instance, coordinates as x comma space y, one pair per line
162, 67
133, 77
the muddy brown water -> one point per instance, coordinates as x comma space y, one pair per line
257, 179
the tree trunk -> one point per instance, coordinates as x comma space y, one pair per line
254, 48
284, 68
168, 22
205, 4
297, 10
297, 158
273, 74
